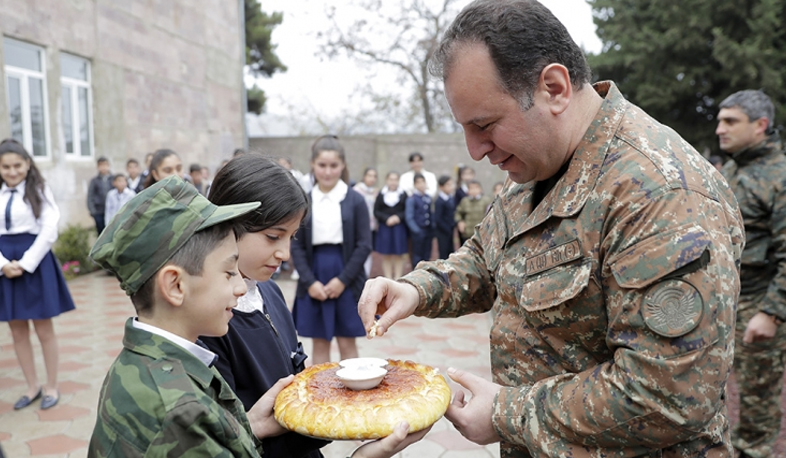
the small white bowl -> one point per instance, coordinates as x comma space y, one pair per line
362, 377
363, 362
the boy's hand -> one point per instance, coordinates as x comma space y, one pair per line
334, 288
260, 416
317, 291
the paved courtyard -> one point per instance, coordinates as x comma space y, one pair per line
91, 337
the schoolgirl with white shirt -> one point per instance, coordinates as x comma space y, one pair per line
32, 286
329, 251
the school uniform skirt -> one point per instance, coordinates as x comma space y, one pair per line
32, 296
391, 239
333, 317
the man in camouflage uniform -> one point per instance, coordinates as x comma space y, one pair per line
610, 259
757, 174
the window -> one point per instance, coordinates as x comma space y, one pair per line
77, 102
27, 108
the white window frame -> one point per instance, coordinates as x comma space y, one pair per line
74, 85
24, 76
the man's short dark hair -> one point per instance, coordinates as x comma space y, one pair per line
415, 155
522, 37
102, 159
191, 257
131, 161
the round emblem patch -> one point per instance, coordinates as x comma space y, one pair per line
672, 308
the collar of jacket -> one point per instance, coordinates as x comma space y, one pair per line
770, 145
574, 188
159, 348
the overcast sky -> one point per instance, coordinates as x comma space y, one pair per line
313, 84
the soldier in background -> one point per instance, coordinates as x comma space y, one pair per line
609, 260
757, 174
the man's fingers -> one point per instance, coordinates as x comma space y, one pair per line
373, 294
465, 379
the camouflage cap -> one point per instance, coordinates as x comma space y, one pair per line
144, 235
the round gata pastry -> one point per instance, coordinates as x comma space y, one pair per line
317, 404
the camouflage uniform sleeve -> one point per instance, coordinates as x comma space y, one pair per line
657, 389
774, 302
460, 285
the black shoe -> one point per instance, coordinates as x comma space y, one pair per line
25, 401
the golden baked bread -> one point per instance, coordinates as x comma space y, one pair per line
317, 404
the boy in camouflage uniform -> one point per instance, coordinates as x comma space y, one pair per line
609, 260
757, 174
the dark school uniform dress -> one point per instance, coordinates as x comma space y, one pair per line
260, 348
324, 261
444, 214
391, 239
41, 291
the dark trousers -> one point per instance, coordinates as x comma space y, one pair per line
445, 244
421, 246
100, 224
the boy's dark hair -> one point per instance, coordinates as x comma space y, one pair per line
131, 161
194, 168
256, 178
415, 155
443, 179
418, 176
119, 175
102, 159
471, 182
191, 257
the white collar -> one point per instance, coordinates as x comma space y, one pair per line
252, 300
20, 188
203, 354
443, 196
336, 194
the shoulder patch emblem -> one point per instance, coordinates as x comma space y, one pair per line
672, 308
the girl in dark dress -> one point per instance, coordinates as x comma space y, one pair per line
329, 252
32, 287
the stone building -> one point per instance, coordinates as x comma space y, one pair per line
90, 78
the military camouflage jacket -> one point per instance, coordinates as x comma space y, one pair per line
613, 300
159, 400
758, 177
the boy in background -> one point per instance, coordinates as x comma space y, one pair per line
420, 220
444, 214
471, 210
117, 197
96, 193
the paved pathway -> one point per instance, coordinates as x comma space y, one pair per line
90, 338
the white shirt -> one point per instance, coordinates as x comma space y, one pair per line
23, 221
114, 201
252, 300
134, 182
406, 183
326, 225
203, 354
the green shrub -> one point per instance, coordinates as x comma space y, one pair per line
72, 249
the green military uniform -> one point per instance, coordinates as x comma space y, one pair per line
614, 298
758, 177
160, 400
471, 211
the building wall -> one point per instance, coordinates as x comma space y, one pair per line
165, 74
442, 153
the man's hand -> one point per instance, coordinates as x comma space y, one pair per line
317, 291
461, 225
389, 446
473, 418
760, 327
390, 299
260, 416
334, 288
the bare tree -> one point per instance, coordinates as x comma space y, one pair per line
403, 36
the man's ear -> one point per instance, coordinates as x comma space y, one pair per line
169, 283
555, 84
761, 126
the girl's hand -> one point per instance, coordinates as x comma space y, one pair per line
334, 288
12, 270
393, 220
317, 291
